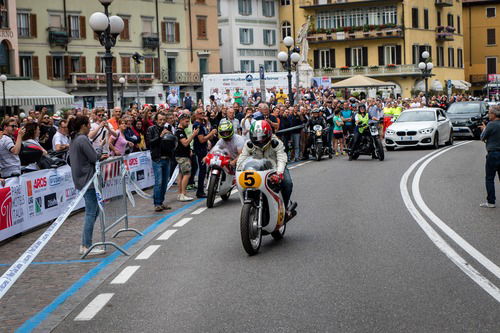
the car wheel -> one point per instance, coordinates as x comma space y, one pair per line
450, 141
436, 141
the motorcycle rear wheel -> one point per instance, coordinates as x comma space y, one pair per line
251, 235
280, 233
212, 190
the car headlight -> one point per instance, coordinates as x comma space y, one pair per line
390, 132
426, 131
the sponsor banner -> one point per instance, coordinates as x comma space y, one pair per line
38, 197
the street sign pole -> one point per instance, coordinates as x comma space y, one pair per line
262, 83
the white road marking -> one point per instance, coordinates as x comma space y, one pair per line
166, 235
293, 167
147, 252
306, 162
125, 274
300, 164
217, 200
441, 244
94, 307
473, 252
182, 222
199, 211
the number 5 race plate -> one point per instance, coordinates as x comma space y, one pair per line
249, 179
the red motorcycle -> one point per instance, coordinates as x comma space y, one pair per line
221, 176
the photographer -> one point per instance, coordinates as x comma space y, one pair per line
200, 148
491, 135
10, 164
100, 130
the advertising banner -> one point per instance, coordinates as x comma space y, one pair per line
38, 197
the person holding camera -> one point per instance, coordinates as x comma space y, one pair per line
491, 135
200, 148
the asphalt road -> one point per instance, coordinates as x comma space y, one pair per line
353, 260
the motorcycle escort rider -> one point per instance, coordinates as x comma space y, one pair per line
229, 141
264, 144
316, 119
362, 119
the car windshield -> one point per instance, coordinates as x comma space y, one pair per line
463, 108
416, 116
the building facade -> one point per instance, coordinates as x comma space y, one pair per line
9, 56
248, 35
382, 39
58, 48
482, 56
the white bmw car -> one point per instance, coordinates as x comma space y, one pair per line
420, 127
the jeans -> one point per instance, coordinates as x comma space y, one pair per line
194, 169
161, 170
492, 168
296, 145
91, 214
329, 138
202, 172
286, 187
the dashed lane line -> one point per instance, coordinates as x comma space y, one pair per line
94, 307
182, 222
147, 252
199, 211
125, 275
167, 234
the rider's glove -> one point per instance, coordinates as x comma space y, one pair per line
277, 178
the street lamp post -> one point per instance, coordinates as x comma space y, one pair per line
122, 81
288, 58
426, 67
108, 28
3, 79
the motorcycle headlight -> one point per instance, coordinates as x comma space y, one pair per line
390, 132
426, 131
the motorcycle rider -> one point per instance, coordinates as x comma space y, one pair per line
316, 119
362, 119
264, 144
229, 141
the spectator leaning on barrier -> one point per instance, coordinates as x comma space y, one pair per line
491, 135
100, 130
10, 164
183, 154
30, 138
83, 159
60, 141
47, 131
119, 145
161, 144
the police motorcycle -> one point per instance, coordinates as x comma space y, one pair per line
369, 143
221, 179
319, 145
263, 212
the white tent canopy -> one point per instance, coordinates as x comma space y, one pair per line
460, 84
28, 92
360, 81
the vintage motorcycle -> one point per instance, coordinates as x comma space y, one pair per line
369, 144
318, 146
263, 211
221, 179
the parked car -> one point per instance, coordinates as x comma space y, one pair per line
419, 127
466, 118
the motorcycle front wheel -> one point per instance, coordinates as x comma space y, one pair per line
212, 190
380, 150
319, 152
251, 235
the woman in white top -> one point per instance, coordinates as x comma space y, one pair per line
246, 123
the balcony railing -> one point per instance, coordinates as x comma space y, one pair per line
150, 41
478, 78
444, 36
313, 3
58, 37
444, 3
99, 79
368, 32
389, 70
182, 77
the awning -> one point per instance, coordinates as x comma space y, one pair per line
28, 92
460, 84
492, 86
436, 85
360, 81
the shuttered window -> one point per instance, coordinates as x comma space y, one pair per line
125, 64
426, 18
125, 34
491, 37
246, 36
414, 17
451, 57
245, 7
460, 58
202, 27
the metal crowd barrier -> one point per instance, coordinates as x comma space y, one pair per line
111, 193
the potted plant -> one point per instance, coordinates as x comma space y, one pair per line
328, 69
450, 29
344, 68
391, 65
439, 28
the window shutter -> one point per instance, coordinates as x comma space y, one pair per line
177, 32
266, 41
365, 56
491, 36
68, 25
241, 36
332, 58
398, 55
113, 65
125, 64
251, 36
458, 25
148, 62
381, 60
83, 64
252, 66
272, 8
83, 28
67, 66
240, 6
348, 56
164, 32
98, 64
50, 71
33, 30
415, 55
157, 68
242, 66
36, 69
316, 59
273, 33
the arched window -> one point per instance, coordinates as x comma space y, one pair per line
286, 29
4, 58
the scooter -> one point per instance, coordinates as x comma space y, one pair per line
263, 211
369, 144
221, 179
318, 148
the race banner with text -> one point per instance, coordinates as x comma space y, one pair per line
38, 197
